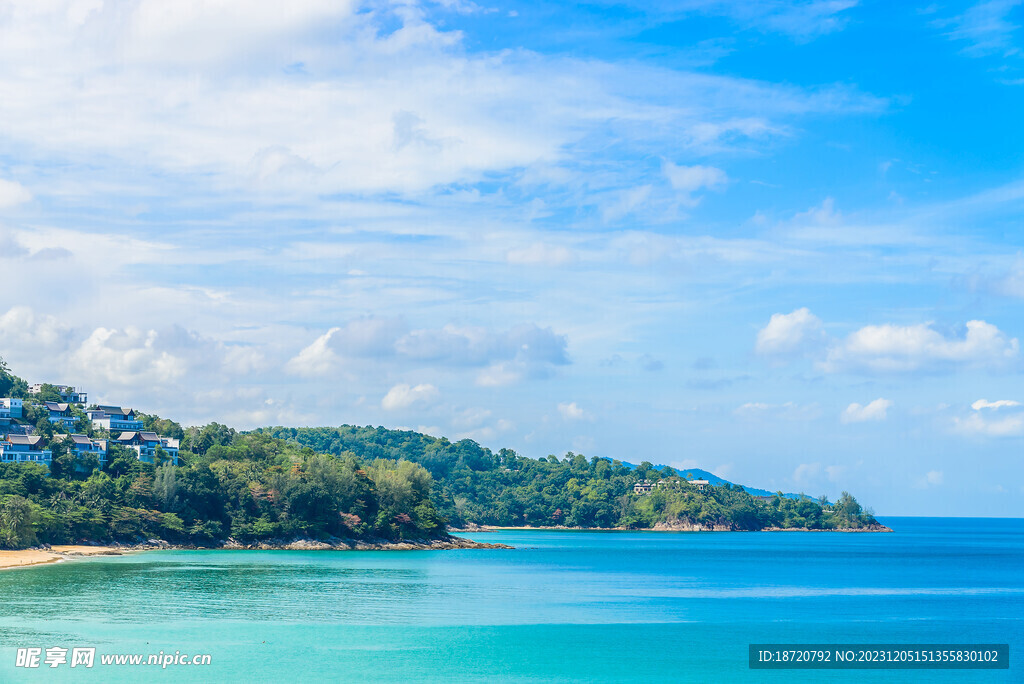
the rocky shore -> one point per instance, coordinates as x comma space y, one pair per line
330, 544
41, 555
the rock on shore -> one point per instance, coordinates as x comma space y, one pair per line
332, 544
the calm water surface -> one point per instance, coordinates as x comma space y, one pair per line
563, 606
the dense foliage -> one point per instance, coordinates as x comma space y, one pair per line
251, 488
474, 485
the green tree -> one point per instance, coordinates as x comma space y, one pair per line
16, 518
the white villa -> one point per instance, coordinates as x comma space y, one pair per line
114, 418
69, 394
24, 448
646, 486
61, 414
10, 408
145, 444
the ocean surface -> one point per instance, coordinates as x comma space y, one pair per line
561, 607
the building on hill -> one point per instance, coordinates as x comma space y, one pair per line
114, 418
82, 445
701, 485
643, 487
646, 486
10, 409
24, 449
145, 444
68, 394
60, 414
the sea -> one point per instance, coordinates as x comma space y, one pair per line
563, 606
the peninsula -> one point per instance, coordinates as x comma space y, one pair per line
77, 473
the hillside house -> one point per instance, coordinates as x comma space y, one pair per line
643, 487
114, 418
701, 485
82, 445
60, 414
9, 409
24, 449
145, 444
68, 394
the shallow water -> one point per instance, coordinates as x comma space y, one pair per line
562, 606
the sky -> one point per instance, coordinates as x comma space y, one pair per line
781, 241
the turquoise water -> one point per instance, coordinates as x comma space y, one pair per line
562, 606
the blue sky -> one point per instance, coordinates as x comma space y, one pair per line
778, 240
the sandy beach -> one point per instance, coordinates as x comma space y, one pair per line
27, 557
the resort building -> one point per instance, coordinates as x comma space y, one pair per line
81, 445
145, 445
644, 487
61, 414
24, 449
701, 485
114, 418
69, 394
9, 408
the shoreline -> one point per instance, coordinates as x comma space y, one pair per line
663, 527
46, 555
25, 558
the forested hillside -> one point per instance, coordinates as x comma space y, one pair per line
472, 484
254, 488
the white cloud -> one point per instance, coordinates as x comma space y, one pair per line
499, 375
541, 254
802, 20
624, 202
787, 411
933, 478
12, 194
895, 348
806, 473
506, 356
570, 411
688, 180
835, 473
404, 396
876, 410
316, 359
133, 356
24, 334
344, 97
470, 418
792, 333
977, 424
1001, 403
986, 27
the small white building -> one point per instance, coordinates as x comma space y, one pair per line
69, 394
144, 444
114, 418
643, 487
24, 449
61, 414
10, 408
701, 485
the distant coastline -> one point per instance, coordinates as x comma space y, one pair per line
666, 527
